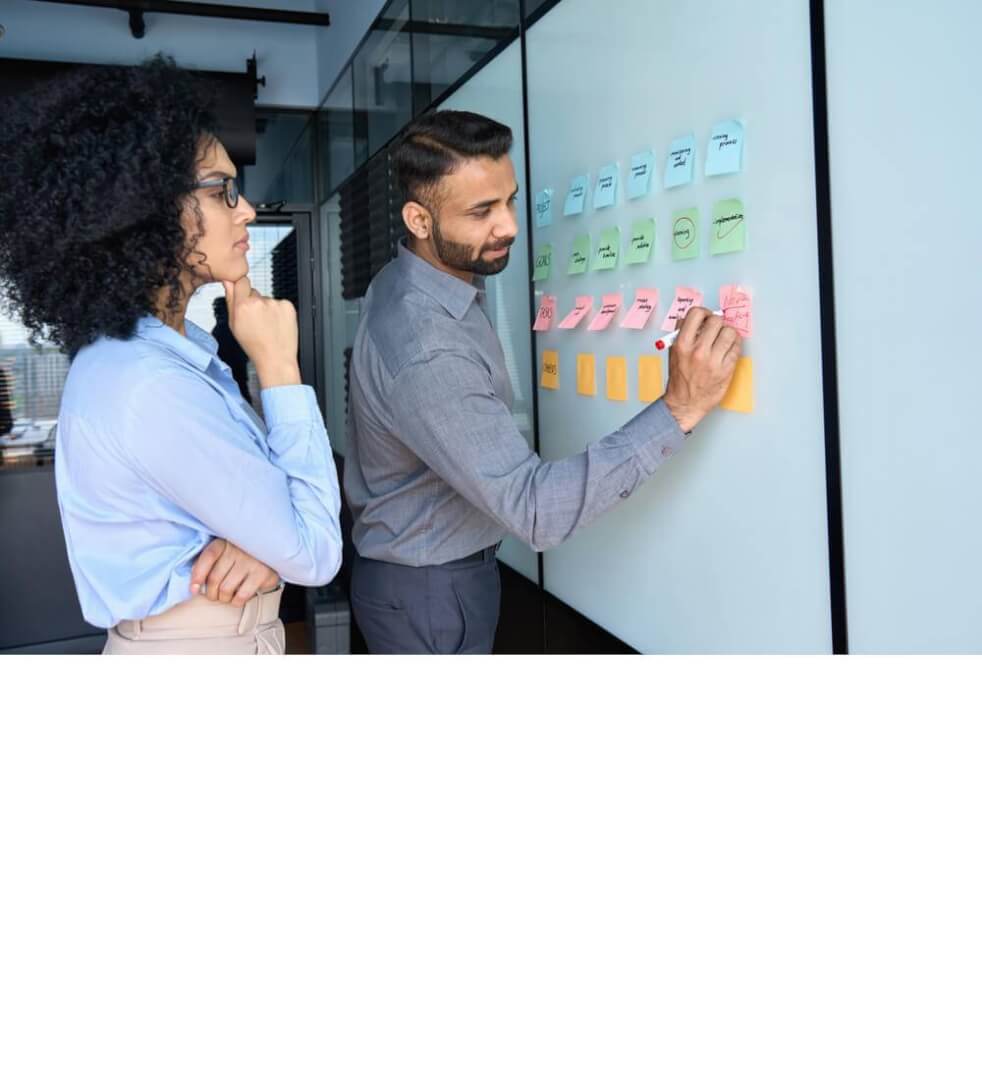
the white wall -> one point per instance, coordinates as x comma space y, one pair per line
288, 56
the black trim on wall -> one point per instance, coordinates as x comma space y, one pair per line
830, 382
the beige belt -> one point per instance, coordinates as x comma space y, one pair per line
200, 618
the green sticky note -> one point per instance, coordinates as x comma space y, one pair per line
685, 234
608, 250
579, 258
729, 227
543, 263
642, 241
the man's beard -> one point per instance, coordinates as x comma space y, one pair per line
458, 256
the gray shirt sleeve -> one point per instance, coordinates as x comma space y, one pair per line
446, 411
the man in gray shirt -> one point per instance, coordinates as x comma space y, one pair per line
436, 471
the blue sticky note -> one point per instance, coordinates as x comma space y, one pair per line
725, 153
605, 193
543, 208
681, 161
576, 196
642, 173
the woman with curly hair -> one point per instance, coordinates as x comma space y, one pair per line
181, 508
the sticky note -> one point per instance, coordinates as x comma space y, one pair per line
725, 153
737, 307
685, 234
543, 208
579, 257
608, 250
546, 314
642, 242
605, 193
651, 383
644, 306
550, 370
543, 263
609, 307
740, 395
581, 309
586, 375
685, 297
617, 378
681, 161
729, 232
576, 195
641, 175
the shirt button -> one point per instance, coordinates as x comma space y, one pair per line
624, 494
665, 452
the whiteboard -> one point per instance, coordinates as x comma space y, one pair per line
905, 160
725, 549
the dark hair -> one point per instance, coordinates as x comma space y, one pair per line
436, 144
96, 167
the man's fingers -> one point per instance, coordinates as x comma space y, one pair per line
726, 339
231, 584
219, 572
204, 562
250, 586
689, 328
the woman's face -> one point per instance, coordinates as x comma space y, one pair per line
219, 254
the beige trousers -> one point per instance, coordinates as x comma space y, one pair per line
204, 627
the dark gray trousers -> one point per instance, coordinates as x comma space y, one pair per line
451, 608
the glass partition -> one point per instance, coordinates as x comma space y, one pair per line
382, 72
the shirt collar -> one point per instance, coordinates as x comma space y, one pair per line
198, 347
455, 295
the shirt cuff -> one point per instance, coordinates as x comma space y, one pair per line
656, 435
290, 405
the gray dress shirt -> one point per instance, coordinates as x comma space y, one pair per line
436, 467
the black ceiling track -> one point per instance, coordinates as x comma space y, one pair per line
136, 9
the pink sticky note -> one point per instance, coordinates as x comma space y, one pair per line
584, 304
608, 309
645, 304
684, 299
737, 308
547, 312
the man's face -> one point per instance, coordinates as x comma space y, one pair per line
474, 216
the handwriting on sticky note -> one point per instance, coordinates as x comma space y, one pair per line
729, 232
576, 195
550, 370
586, 374
642, 242
617, 378
579, 257
644, 306
725, 152
543, 263
685, 298
608, 250
543, 208
737, 307
609, 307
605, 193
740, 395
651, 383
546, 314
641, 175
685, 234
680, 162
581, 309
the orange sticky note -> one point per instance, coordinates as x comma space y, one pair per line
651, 383
550, 370
617, 378
586, 374
740, 396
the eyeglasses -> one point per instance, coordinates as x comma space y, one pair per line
229, 186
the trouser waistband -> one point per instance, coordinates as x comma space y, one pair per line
200, 617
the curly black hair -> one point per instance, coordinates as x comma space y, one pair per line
97, 165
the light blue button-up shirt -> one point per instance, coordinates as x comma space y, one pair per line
157, 453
